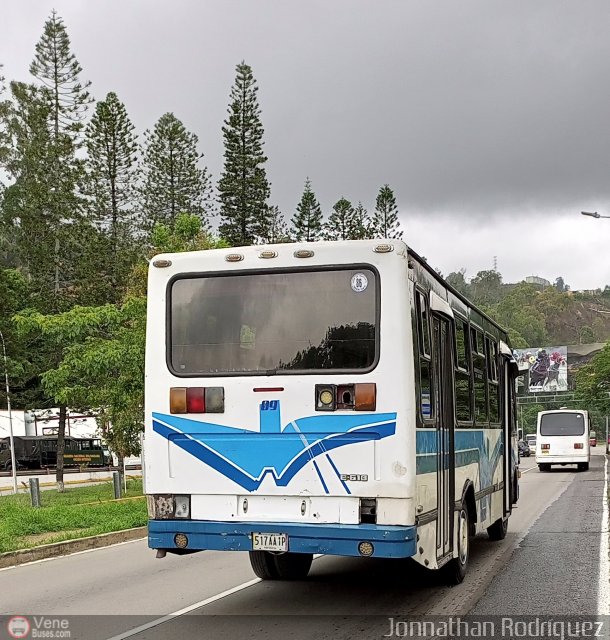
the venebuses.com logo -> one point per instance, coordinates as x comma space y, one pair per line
18, 627
38, 627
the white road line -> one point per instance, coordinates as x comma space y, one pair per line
603, 590
530, 469
192, 607
74, 553
181, 612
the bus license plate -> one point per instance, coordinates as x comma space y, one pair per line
270, 542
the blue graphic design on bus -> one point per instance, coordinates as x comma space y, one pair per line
247, 456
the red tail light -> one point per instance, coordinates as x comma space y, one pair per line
578, 445
195, 400
545, 446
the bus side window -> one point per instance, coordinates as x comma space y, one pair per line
493, 387
479, 368
425, 366
463, 392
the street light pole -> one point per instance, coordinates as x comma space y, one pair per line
593, 214
10, 418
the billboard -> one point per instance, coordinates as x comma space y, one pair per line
546, 368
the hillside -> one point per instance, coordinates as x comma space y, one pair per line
535, 316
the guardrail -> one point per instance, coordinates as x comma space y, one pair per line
50, 471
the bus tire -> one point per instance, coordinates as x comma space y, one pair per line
544, 467
583, 466
455, 570
282, 566
497, 531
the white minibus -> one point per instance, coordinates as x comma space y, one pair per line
563, 438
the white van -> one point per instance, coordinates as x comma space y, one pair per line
563, 438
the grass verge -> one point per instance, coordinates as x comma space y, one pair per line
77, 513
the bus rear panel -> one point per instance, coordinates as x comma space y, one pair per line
562, 438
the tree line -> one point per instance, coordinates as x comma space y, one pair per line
84, 203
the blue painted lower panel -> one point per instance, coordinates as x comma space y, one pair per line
331, 539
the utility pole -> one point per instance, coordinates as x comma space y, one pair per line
10, 418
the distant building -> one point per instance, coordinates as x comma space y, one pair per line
537, 280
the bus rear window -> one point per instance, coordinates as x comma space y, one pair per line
562, 424
263, 323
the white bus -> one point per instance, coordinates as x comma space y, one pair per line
563, 438
325, 398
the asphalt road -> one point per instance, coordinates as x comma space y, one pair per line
549, 560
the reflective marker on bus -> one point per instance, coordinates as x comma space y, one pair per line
350, 403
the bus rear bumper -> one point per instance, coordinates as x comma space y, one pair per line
568, 459
332, 539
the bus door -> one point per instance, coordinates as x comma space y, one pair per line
442, 354
509, 421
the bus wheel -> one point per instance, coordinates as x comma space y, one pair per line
498, 529
455, 569
544, 467
283, 566
583, 466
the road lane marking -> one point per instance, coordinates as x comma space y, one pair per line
181, 612
530, 469
603, 590
192, 607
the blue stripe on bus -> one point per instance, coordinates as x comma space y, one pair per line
246, 456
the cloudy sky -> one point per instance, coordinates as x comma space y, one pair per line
489, 119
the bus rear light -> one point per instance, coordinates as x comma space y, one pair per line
365, 397
578, 445
345, 396
167, 506
545, 446
325, 397
355, 397
197, 400
214, 399
177, 400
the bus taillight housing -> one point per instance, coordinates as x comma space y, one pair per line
361, 396
578, 445
197, 400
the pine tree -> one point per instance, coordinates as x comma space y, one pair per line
56, 67
273, 228
243, 186
385, 219
340, 224
111, 181
361, 229
307, 221
173, 183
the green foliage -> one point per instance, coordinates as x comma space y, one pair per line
173, 183
243, 185
58, 70
384, 223
271, 228
361, 224
77, 513
457, 280
593, 381
341, 224
102, 365
307, 221
486, 287
111, 175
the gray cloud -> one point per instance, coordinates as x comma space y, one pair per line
490, 111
